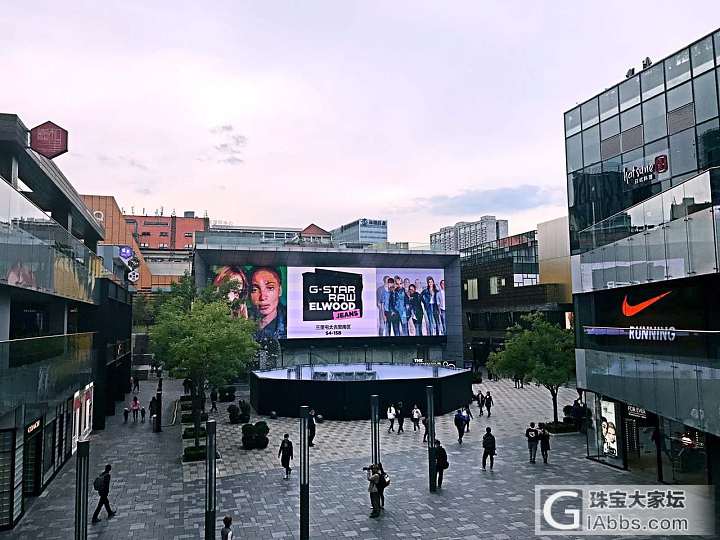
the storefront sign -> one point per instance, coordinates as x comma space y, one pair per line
637, 412
32, 427
49, 140
609, 428
639, 176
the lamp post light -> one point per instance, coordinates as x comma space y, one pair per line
304, 474
82, 469
431, 438
210, 480
375, 428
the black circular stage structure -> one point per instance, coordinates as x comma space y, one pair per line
342, 391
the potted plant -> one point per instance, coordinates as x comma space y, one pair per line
248, 436
226, 394
235, 416
261, 432
244, 411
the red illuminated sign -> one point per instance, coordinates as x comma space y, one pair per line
49, 140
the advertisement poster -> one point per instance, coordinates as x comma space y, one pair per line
331, 302
608, 428
262, 291
320, 302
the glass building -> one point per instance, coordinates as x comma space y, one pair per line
644, 225
361, 233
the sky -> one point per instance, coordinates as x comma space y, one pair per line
283, 113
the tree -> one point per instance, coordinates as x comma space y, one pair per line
142, 311
539, 349
205, 344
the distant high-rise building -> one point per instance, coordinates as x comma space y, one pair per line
361, 232
465, 234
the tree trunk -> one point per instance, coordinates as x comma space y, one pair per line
196, 414
553, 393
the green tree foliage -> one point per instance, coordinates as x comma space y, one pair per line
197, 336
143, 310
539, 351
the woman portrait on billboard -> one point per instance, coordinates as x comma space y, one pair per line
264, 290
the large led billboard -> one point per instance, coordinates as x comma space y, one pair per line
336, 302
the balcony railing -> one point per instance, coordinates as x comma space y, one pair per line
37, 253
44, 369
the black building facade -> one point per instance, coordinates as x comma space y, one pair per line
644, 216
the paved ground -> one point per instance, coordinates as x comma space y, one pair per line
157, 497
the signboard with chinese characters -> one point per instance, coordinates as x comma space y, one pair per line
645, 174
49, 140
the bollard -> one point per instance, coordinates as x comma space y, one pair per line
304, 474
158, 421
375, 428
431, 438
82, 469
210, 428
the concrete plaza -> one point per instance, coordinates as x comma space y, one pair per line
158, 497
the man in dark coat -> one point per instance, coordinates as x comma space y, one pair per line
459, 421
311, 427
441, 462
488, 443
285, 453
103, 490
400, 415
488, 402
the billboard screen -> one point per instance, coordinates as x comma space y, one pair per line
336, 302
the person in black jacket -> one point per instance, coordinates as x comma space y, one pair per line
441, 462
400, 415
285, 453
459, 421
544, 442
488, 443
488, 402
311, 427
213, 399
103, 491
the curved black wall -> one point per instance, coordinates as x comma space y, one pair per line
350, 400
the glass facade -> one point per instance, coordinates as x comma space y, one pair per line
670, 109
37, 253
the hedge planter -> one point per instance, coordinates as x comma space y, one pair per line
186, 406
188, 418
226, 394
254, 436
189, 433
561, 427
196, 453
240, 413
185, 398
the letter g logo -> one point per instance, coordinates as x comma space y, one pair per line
575, 513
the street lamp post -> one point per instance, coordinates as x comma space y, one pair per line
210, 481
431, 438
304, 474
82, 469
375, 428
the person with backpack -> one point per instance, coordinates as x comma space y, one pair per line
383, 482
226, 532
285, 453
488, 402
441, 462
459, 421
400, 415
373, 477
416, 415
533, 437
101, 484
544, 442
488, 444
135, 408
391, 417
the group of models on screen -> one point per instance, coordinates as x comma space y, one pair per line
264, 289
406, 308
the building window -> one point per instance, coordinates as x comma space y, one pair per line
682, 152
162, 245
145, 233
706, 106
654, 118
188, 235
472, 289
495, 283
164, 233
144, 244
188, 246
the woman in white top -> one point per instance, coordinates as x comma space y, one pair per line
416, 415
391, 417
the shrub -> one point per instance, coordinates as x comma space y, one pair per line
567, 410
186, 406
244, 407
185, 398
234, 412
255, 436
477, 377
193, 453
189, 433
261, 428
187, 418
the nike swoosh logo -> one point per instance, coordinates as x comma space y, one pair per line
630, 311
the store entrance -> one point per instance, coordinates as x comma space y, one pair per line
641, 451
683, 454
32, 463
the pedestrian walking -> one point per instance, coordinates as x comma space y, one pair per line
126, 414
533, 438
441, 462
400, 415
383, 482
416, 415
285, 453
373, 477
153, 406
544, 442
132, 383
488, 443
213, 400
226, 532
187, 386
468, 417
142, 415
135, 408
101, 484
425, 425
488, 402
136, 384
481, 401
459, 421
391, 417
311, 427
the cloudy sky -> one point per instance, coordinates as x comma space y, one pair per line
286, 113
